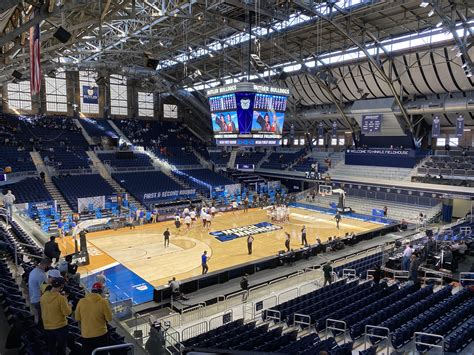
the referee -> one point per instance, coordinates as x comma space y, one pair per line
166, 234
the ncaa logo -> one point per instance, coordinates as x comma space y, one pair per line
245, 103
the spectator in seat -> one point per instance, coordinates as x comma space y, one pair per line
377, 275
70, 269
36, 278
93, 312
51, 249
55, 309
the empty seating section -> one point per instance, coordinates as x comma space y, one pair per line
361, 265
209, 177
17, 160
17, 310
238, 336
177, 156
64, 159
249, 157
449, 166
305, 164
219, 158
138, 160
279, 160
98, 128
28, 190
139, 184
80, 186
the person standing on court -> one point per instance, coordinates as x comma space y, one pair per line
93, 312
327, 270
337, 217
385, 211
287, 241
204, 260
55, 309
166, 234
249, 243
303, 236
246, 204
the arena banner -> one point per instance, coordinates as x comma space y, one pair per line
245, 231
460, 126
85, 202
233, 189
35, 207
402, 158
436, 127
320, 130
90, 94
169, 194
334, 129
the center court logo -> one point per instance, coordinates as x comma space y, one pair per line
245, 231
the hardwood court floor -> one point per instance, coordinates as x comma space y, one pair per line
142, 250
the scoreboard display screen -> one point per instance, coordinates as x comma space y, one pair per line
248, 114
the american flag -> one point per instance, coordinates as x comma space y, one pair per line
35, 59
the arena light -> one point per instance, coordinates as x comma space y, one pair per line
431, 13
424, 4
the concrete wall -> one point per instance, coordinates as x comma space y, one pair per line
461, 207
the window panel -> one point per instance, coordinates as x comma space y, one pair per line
440, 142
170, 111
118, 95
56, 93
341, 141
321, 141
145, 104
19, 96
87, 78
453, 141
333, 141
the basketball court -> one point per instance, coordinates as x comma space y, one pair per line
137, 259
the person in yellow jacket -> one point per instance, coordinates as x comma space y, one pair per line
54, 311
93, 312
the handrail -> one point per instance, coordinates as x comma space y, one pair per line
436, 338
466, 276
331, 324
113, 347
381, 337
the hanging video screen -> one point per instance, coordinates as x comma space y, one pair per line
248, 114
225, 122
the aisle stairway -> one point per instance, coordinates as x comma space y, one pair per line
52, 189
97, 163
231, 162
84, 132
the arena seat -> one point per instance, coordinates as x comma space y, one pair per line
249, 157
98, 127
219, 158
138, 160
279, 160
78, 186
209, 177
28, 190
177, 156
65, 159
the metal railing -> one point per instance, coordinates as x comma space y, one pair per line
437, 341
466, 278
114, 347
381, 338
334, 326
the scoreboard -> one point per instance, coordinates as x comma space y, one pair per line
248, 114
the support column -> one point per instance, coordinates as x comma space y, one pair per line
447, 210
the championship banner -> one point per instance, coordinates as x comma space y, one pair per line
243, 232
233, 189
460, 126
436, 127
85, 202
166, 194
334, 129
90, 94
320, 130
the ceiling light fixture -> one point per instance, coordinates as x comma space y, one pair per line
431, 13
424, 4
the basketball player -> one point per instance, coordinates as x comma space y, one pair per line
177, 221
246, 204
213, 211
204, 260
185, 212
187, 221
208, 220
192, 214
204, 219
235, 206
337, 217
249, 244
287, 241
